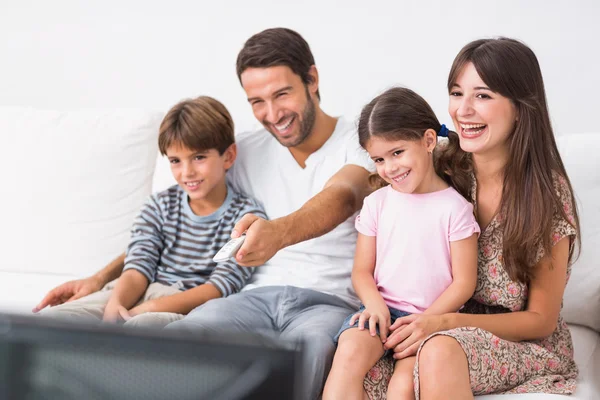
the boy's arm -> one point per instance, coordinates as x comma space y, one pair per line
227, 278
128, 290
341, 196
464, 277
180, 303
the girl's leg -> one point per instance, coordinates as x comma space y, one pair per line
401, 385
443, 370
357, 352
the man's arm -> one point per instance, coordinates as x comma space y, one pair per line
341, 196
78, 288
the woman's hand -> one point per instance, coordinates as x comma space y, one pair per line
409, 332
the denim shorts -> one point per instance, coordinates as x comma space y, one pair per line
394, 314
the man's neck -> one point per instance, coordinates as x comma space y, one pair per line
322, 131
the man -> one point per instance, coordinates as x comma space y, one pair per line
311, 176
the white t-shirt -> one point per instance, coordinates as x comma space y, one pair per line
267, 171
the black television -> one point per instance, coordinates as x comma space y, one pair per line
47, 359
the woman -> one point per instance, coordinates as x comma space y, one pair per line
509, 338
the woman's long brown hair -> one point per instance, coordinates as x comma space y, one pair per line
529, 199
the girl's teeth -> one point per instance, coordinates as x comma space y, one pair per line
401, 177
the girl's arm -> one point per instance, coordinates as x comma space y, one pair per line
364, 268
464, 277
376, 311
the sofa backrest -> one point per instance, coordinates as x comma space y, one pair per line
581, 155
72, 183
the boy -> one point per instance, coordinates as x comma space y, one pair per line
168, 267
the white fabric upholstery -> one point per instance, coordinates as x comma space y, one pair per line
71, 185
581, 155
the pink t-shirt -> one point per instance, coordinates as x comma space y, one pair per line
414, 231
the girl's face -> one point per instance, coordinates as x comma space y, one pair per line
483, 119
407, 165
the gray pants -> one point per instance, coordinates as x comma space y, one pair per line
91, 308
296, 314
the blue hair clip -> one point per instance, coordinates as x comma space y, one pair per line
443, 131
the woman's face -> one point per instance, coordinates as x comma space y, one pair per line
483, 119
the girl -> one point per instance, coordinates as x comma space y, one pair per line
417, 244
509, 338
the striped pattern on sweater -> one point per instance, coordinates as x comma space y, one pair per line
172, 245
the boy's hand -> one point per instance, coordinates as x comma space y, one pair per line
70, 291
263, 239
145, 307
377, 314
114, 313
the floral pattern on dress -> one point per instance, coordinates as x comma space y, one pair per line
497, 365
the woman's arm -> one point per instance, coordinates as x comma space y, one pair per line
464, 277
538, 321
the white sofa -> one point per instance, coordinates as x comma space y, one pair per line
72, 182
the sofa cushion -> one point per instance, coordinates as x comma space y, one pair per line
72, 182
580, 154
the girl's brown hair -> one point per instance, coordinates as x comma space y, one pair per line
529, 198
401, 114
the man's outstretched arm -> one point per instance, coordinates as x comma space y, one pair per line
341, 196
78, 288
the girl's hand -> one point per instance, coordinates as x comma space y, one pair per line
409, 332
377, 314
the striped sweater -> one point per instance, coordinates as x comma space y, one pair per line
172, 245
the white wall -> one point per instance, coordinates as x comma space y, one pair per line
152, 53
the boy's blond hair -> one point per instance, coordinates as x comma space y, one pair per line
199, 124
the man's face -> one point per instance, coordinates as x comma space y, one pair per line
281, 102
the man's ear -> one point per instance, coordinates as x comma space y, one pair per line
229, 155
313, 84
430, 139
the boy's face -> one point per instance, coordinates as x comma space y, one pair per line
199, 172
282, 102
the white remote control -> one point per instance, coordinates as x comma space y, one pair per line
230, 249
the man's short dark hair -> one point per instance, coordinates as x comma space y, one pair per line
275, 47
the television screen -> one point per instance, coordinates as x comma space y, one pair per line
46, 359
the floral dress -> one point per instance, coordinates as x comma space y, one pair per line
497, 365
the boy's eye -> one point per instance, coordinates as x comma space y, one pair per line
398, 152
173, 161
198, 158
378, 160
